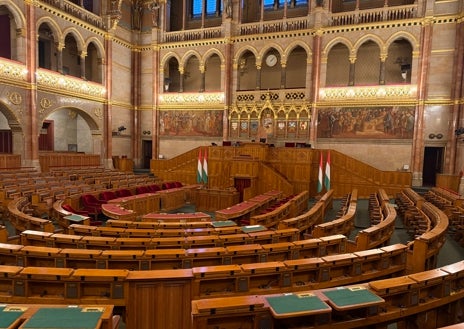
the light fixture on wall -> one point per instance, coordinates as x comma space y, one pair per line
167, 82
242, 65
405, 66
437, 136
121, 129
146, 132
459, 132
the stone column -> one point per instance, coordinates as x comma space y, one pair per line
258, 76
352, 70
202, 77
418, 138
453, 163
383, 58
107, 107
31, 129
315, 81
136, 103
59, 57
228, 71
283, 75
181, 81
83, 55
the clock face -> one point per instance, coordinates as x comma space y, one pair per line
271, 60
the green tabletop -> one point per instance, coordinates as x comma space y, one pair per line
223, 223
8, 316
289, 305
64, 318
75, 218
253, 228
353, 297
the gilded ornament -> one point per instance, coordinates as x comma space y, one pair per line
98, 112
45, 103
15, 98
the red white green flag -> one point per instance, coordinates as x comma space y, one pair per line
205, 167
327, 172
199, 169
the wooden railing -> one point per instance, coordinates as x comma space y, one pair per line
51, 160
295, 167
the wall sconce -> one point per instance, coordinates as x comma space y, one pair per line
121, 129
167, 82
403, 62
146, 132
242, 66
437, 136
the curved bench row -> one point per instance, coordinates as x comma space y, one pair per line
59, 251
426, 246
430, 299
343, 224
59, 284
165, 238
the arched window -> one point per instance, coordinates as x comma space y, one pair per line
6, 39
212, 7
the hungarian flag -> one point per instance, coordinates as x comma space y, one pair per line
205, 167
199, 169
327, 172
319, 178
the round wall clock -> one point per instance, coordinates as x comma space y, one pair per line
271, 60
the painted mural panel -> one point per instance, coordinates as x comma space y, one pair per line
386, 122
191, 123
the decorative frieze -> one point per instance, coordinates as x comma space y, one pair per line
369, 92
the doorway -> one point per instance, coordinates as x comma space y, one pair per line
46, 137
433, 165
147, 153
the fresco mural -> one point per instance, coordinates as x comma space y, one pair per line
392, 122
191, 123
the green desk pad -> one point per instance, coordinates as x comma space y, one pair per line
63, 318
351, 296
294, 303
223, 223
253, 228
8, 317
75, 218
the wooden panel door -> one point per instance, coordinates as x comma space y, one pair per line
161, 305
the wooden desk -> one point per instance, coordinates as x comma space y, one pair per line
177, 217
231, 304
10, 316
234, 212
71, 317
223, 223
116, 211
246, 311
293, 305
353, 298
76, 219
253, 228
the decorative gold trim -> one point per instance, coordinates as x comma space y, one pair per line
14, 97
371, 92
191, 98
12, 71
71, 86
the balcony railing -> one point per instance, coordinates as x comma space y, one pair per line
291, 24
191, 35
374, 15
77, 11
